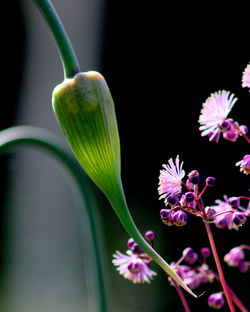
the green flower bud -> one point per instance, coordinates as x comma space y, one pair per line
84, 109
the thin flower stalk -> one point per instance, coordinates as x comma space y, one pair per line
219, 268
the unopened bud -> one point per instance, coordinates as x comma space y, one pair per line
85, 111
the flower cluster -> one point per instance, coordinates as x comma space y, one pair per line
214, 119
134, 265
183, 198
236, 258
197, 272
229, 213
192, 275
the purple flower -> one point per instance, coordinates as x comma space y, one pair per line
216, 300
214, 114
234, 257
170, 178
246, 77
133, 267
244, 164
228, 217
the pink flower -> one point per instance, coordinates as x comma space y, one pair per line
133, 267
213, 117
244, 164
246, 77
170, 178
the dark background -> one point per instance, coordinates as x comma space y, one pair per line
161, 63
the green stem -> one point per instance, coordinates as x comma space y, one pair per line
67, 54
44, 139
119, 204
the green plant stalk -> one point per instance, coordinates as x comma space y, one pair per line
60, 36
119, 204
34, 136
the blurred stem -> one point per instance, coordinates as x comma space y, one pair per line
219, 268
67, 54
182, 297
34, 136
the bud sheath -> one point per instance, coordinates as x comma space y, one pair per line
84, 109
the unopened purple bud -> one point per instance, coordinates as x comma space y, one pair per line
166, 216
189, 197
222, 223
136, 248
230, 135
206, 252
210, 181
239, 218
234, 202
180, 218
243, 129
130, 243
226, 125
173, 200
216, 301
149, 235
194, 177
243, 266
190, 256
210, 212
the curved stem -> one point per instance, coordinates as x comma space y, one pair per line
48, 141
219, 268
119, 204
63, 43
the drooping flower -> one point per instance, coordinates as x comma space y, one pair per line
216, 300
244, 164
234, 257
246, 77
170, 179
133, 267
213, 118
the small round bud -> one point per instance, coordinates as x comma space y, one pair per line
239, 218
189, 197
216, 301
166, 216
230, 135
210, 212
130, 243
210, 181
173, 200
149, 235
226, 125
194, 177
234, 202
136, 248
179, 218
206, 252
190, 255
